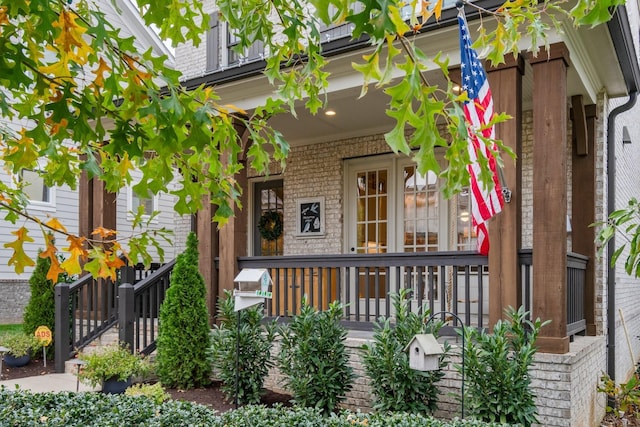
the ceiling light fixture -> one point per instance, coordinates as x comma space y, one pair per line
330, 113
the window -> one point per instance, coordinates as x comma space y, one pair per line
149, 203
35, 189
213, 43
255, 52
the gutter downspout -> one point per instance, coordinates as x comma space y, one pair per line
611, 245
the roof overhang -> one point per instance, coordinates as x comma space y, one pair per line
602, 60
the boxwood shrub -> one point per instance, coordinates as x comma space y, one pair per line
26, 409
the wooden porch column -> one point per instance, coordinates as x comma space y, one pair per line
505, 229
233, 240
97, 208
550, 196
583, 190
208, 250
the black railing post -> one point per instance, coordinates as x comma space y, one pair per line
126, 313
62, 324
128, 274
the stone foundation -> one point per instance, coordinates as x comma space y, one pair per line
15, 297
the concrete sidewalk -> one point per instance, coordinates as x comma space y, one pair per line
48, 382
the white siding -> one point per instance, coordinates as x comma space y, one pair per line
627, 159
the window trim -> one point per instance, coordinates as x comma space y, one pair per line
130, 211
40, 205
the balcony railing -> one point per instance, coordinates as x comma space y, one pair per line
440, 281
576, 276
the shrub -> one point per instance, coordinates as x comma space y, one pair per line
255, 342
19, 343
395, 385
155, 392
40, 309
113, 361
23, 408
497, 370
314, 359
183, 355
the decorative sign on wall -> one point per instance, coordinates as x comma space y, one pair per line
310, 217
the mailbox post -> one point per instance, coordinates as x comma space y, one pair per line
251, 288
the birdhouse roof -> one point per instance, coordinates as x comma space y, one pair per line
427, 343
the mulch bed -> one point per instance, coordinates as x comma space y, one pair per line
210, 396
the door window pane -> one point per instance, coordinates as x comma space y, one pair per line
269, 202
421, 213
372, 215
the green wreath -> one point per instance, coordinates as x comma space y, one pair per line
270, 225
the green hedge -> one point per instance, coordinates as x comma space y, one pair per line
24, 409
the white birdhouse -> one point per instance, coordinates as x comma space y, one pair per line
424, 352
252, 287
253, 279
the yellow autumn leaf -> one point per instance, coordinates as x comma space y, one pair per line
4, 19
54, 270
125, 165
20, 259
56, 225
236, 109
77, 252
70, 39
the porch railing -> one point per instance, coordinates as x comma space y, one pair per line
86, 309
576, 276
441, 281
139, 309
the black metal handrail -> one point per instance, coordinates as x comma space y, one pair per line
140, 308
86, 309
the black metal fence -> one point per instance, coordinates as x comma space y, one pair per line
139, 309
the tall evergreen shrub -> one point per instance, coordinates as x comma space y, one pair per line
183, 359
40, 309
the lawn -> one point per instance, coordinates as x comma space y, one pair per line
11, 328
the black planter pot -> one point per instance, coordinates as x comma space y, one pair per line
16, 362
115, 386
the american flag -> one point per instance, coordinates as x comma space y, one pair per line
478, 112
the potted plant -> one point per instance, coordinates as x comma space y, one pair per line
113, 367
19, 347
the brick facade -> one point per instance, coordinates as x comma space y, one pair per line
565, 385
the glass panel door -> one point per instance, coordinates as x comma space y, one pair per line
268, 235
371, 217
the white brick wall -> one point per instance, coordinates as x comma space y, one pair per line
565, 385
627, 159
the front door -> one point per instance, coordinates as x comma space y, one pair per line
268, 238
391, 207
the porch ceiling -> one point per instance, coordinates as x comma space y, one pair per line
594, 67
